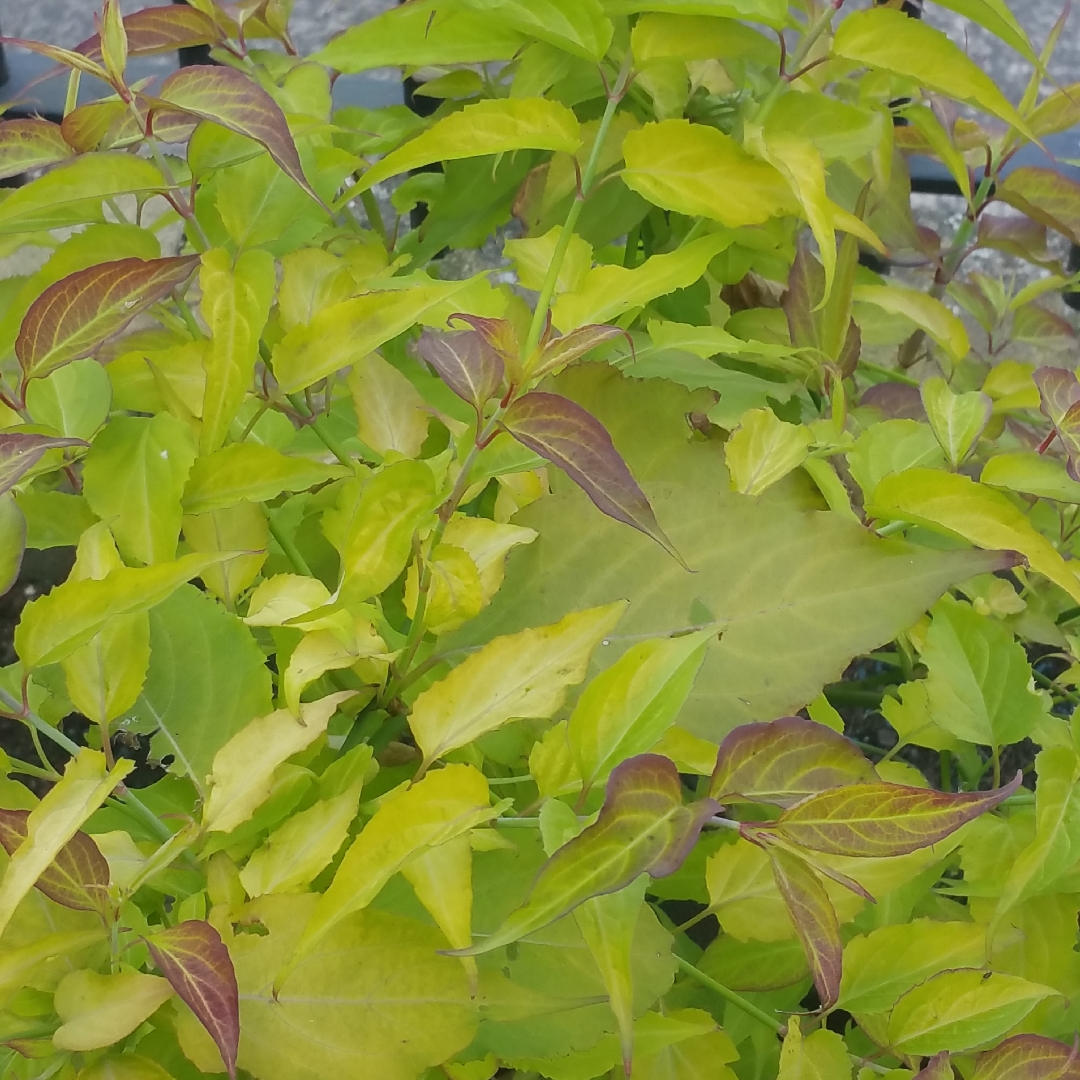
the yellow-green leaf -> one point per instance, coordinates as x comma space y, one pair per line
927, 313
764, 449
821, 1055
99, 1010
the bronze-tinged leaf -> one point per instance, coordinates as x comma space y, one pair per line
643, 828
67, 57
564, 350
785, 761
465, 362
498, 333
192, 956
20, 451
110, 124
79, 875
815, 921
159, 30
880, 820
228, 97
1059, 391
30, 144
1027, 1057
1046, 196
71, 318
563, 433
937, 1068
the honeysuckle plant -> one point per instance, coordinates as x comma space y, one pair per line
487, 635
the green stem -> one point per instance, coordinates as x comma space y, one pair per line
547, 291
890, 374
189, 318
184, 208
374, 214
26, 769
292, 553
319, 427
729, 995
1049, 684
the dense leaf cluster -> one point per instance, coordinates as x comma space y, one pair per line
487, 630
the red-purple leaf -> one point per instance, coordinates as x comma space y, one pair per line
77, 878
937, 1068
880, 820
498, 333
20, 451
1051, 199
73, 317
106, 125
161, 29
565, 350
1027, 1057
229, 98
192, 956
565, 434
30, 144
465, 362
1060, 393
815, 921
784, 761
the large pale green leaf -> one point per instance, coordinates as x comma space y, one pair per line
995, 16
698, 37
770, 12
796, 592
373, 999
579, 26
821, 1055
207, 679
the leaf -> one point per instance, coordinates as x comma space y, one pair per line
814, 919
892, 446
496, 126
56, 624
250, 471
764, 449
785, 761
376, 542
13, 536
444, 804
236, 299
625, 710
821, 1055
958, 506
21, 451
241, 527
980, 684
207, 679
578, 26
465, 362
771, 572
77, 877
105, 676
888, 39
995, 16
698, 37
80, 312
455, 594
566, 435
123, 1066
1027, 1057
99, 1010
192, 956
85, 785
72, 193
232, 99
927, 313
699, 171
391, 413
887, 962
243, 770
344, 333
522, 675
1032, 474
133, 477
74, 400
643, 828
957, 419
30, 144
880, 820
1046, 196
564, 350
959, 1010
161, 29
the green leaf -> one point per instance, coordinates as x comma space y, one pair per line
959, 1010
390, 411
770, 12
764, 449
134, 477
785, 761
13, 534
73, 400
522, 675
237, 102
698, 37
627, 708
207, 679
241, 527
887, 962
579, 26
1046, 196
236, 298
563, 433
892, 447
643, 828
55, 625
30, 144
888, 39
72, 194
192, 956
995, 16
927, 313
958, 506
250, 471
444, 804
980, 685
821, 1055
1032, 474
497, 126
105, 676
957, 419
373, 996
699, 171
99, 1010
